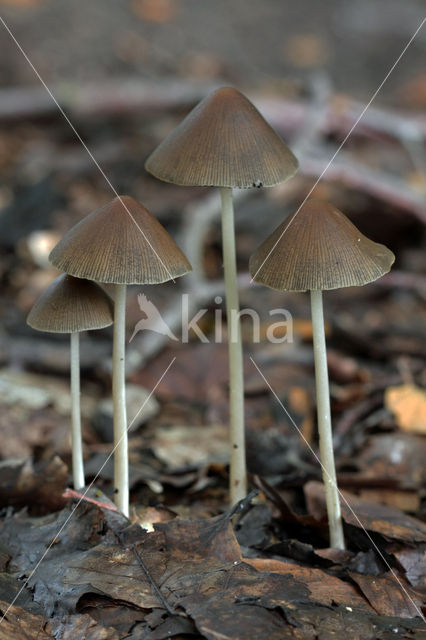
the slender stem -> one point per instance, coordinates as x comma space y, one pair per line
324, 424
77, 444
121, 463
238, 474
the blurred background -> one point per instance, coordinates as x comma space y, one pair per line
126, 73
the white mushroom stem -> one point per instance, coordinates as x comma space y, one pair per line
121, 463
77, 444
337, 540
238, 474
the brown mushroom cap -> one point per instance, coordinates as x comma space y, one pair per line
71, 304
318, 248
121, 243
223, 142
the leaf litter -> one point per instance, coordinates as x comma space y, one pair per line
106, 578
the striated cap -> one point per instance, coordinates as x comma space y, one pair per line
223, 142
318, 248
71, 304
121, 243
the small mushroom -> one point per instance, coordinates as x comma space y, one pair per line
315, 249
71, 305
120, 243
225, 142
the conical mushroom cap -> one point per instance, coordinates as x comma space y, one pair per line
223, 142
122, 243
318, 248
71, 304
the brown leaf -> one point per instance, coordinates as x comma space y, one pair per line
408, 404
324, 588
387, 521
19, 624
244, 601
408, 501
389, 596
414, 563
82, 626
199, 569
182, 445
398, 457
40, 487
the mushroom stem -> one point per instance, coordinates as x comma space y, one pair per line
238, 475
121, 464
324, 423
77, 445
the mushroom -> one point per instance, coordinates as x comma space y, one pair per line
225, 142
315, 249
71, 305
120, 243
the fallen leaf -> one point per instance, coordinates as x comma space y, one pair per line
388, 595
389, 522
399, 457
414, 563
182, 445
39, 487
324, 588
404, 500
19, 624
408, 403
81, 626
95, 564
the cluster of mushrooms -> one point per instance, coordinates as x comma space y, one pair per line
222, 142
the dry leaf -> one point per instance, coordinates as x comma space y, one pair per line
22, 625
408, 404
323, 587
386, 595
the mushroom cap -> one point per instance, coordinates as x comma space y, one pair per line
71, 304
122, 243
223, 142
318, 247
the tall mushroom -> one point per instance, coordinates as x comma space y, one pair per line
120, 243
71, 305
225, 142
316, 249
